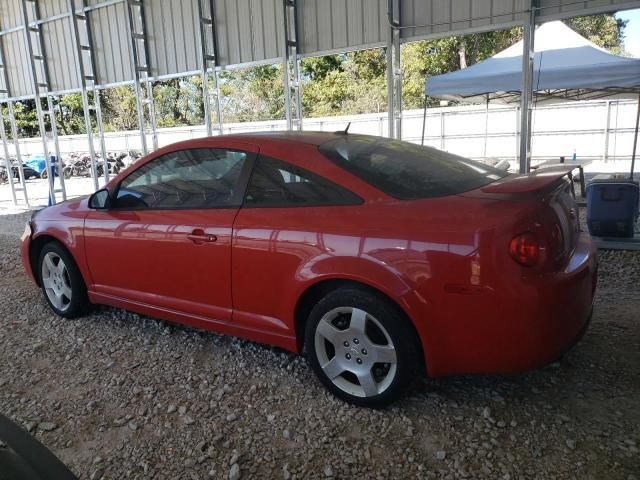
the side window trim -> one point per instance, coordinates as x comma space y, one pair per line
238, 196
357, 200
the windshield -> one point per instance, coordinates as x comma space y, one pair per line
408, 171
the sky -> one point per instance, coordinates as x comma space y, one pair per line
632, 32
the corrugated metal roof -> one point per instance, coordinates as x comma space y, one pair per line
50, 8
15, 54
332, 25
554, 9
435, 17
251, 31
59, 50
110, 32
172, 36
10, 15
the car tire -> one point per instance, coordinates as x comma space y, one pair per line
61, 281
44, 174
362, 347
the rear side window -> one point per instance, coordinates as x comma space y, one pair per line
407, 171
275, 183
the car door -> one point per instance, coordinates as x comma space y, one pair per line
165, 241
286, 218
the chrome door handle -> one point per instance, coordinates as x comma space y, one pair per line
199, 237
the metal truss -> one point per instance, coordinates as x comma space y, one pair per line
209, 65
292, 94
87, 78
4, 90
40, 78
142, 71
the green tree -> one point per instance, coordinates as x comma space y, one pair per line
606, 31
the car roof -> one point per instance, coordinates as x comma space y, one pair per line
308, 137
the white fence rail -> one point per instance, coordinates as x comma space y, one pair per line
599, 130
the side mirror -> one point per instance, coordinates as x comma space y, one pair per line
99, 200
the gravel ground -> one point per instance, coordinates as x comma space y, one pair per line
116, 395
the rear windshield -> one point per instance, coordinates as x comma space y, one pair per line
407, 171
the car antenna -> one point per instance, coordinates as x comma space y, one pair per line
346, 130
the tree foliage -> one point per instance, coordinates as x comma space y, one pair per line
349, 83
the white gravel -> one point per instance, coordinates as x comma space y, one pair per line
120, 396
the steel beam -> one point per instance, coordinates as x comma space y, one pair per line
209, 65
635, 141
141, 71
37, 85
526, 93
85, 73
394, 70
5, 86
16, 147
291, 66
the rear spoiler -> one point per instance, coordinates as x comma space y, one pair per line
540, 179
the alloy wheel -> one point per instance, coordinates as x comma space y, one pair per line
355, 351
56, 281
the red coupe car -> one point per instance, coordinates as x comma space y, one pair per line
379, 258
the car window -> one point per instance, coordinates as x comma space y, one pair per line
187, 179
408, 171
275, 183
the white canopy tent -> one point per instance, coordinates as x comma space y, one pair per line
566, 67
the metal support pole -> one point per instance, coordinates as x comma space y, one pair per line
7, 160
6, 91
209, 65
16, 147
56, 148
607, 129
141, 71
635, 141
394, 71
37, 84
441, 130
82, 78
291, 65
517, 133
486, 127
424, 120
527, 89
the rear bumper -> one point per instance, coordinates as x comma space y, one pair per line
518, 327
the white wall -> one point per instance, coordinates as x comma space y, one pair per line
559, 130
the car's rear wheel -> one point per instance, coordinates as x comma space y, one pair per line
61, 281
361, 347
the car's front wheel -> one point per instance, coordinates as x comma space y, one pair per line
362, 347
61, 281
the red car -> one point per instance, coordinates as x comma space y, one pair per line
378, 257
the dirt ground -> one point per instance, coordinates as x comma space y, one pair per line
119, 396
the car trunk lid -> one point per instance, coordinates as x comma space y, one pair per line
554, 217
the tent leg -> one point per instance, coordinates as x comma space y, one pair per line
527, 90
486, 128
635, 141
424, 120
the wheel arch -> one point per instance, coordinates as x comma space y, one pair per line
36, 246
315, 292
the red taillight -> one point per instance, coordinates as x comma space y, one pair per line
524, 249
556, 239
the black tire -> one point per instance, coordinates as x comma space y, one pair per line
44, 174
379, 312
67, 172
70, 278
